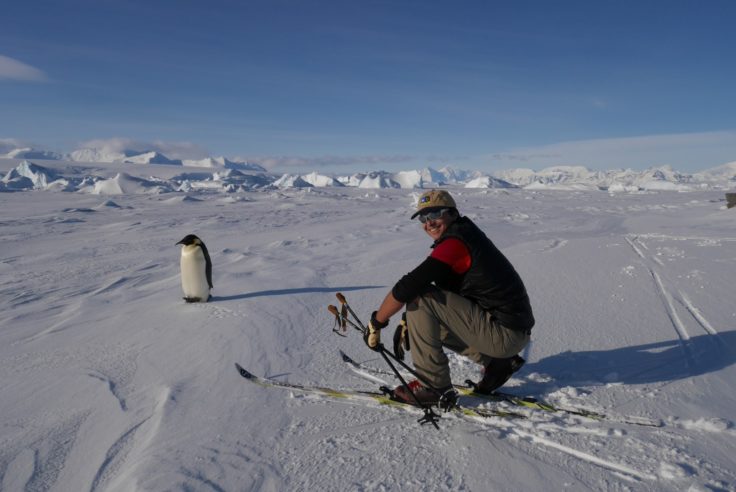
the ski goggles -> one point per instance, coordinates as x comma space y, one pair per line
434, 215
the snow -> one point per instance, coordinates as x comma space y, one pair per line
27, 176
101, 155
726, 171
560, 178
320, 180
125, 184
30, 153
109, 381
487, 182
409, 179
222, 162
151, 158
378, 180
292, 181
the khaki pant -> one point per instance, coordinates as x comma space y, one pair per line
440, 319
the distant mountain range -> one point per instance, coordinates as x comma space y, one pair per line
128, 157
232, 175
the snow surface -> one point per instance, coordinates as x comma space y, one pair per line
568, 178
109, 381
557, 178
151, 158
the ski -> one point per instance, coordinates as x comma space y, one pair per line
528, 402
373, 397
499, 396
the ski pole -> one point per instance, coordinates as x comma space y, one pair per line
429, 415
342, 318
382, 349
345, 304
414, 373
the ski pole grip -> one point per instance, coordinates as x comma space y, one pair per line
341, 298
333, 310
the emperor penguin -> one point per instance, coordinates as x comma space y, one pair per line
196, 270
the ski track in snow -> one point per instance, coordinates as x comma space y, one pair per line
553, 245
673, 297
111, 383
541, 424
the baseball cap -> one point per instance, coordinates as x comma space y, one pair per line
434, 199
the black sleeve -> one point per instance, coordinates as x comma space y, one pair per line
415, 282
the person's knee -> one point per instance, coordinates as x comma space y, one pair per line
427, 299
434, 295
418, 304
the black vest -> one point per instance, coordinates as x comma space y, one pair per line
491, 281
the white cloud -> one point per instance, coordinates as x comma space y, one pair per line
11, 69
684, 150
9, 144
172, 150
291, 162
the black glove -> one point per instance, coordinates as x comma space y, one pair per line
372, 336
401, 338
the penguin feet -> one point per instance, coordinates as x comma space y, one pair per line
197, 299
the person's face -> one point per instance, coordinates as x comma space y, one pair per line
436, 227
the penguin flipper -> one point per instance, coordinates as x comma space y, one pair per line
208, 264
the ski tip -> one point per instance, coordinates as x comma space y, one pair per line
243, 372
345, 357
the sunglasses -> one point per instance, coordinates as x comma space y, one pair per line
432, 215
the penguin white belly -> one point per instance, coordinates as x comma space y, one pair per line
193, 274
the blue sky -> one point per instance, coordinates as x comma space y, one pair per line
359, 85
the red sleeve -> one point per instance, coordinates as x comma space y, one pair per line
453, 252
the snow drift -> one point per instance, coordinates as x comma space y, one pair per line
110, 382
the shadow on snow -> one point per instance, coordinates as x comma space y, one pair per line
650, 363
284, 292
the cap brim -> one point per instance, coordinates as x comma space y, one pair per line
427, 209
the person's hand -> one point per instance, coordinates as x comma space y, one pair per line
401, 339
372, 335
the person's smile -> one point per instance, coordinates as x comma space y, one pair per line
436, 228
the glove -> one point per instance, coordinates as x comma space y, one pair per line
372, 336
401, 339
